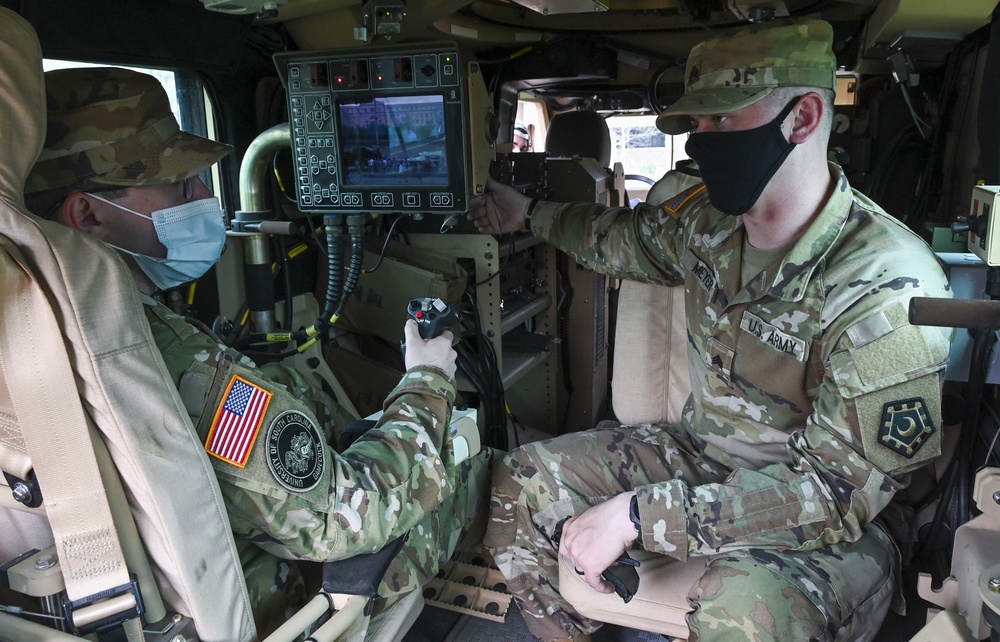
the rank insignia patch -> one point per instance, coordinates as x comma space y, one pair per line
237, 421
295, 451
906, 425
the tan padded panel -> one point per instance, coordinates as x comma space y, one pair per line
22, 531
660, 604
651, 383
121, 378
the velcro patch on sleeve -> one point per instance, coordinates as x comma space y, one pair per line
237, 421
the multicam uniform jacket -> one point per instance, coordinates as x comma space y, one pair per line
809, 384
291, 494
292, 497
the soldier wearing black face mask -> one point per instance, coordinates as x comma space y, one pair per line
812, 396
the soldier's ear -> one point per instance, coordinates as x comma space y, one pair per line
84, 214
806, 117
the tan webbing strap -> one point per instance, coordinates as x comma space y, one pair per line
36, 367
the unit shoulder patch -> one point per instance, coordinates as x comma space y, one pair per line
295, 451
905, 426
237, 421
675, 204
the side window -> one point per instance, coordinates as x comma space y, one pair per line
531, 114
189, 101
643, 149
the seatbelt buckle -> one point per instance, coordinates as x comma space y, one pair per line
105, 610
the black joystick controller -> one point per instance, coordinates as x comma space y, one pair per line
433, 316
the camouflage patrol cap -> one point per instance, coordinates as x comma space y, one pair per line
735, 70
114, 126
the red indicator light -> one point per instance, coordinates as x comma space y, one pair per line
420, 315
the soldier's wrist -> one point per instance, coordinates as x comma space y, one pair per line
528, 211
633, 514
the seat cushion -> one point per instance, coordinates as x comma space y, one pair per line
660, 604
651, 383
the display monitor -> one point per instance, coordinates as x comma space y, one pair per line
387, 129
393, 141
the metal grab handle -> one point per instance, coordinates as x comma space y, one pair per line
975, 314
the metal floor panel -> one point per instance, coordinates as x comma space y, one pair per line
513, 629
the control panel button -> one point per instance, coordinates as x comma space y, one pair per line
442, 199
382, 199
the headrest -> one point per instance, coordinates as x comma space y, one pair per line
579, 133
22, 94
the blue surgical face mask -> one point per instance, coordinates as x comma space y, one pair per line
194, 234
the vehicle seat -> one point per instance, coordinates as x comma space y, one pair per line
120, 379
578, 146
650, 381
660, 604
579, 133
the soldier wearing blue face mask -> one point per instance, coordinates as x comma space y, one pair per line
117, 167
193, 233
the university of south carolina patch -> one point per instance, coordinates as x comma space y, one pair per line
906, 425
237, 421
295, 451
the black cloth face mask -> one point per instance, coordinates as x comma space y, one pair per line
737, 166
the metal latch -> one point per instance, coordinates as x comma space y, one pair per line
104, 610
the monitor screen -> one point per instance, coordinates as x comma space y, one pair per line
393, 141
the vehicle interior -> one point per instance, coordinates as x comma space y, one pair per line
362, 132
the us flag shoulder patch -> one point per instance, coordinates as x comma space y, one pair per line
674, 205
237, 421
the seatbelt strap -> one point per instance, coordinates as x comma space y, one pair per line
37, 370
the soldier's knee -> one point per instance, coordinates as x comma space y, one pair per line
740, 600
513, 473
513, 477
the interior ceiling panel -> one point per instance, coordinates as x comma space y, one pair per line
168, 32
658, 32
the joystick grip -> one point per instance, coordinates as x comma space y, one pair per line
433, 316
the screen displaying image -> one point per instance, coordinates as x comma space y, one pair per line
392, 141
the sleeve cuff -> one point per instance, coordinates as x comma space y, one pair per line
424, 380
663, 515
541, 214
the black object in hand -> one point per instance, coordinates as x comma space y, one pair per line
621, 575
433, 316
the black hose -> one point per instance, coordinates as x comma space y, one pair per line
356, 231
286, 269
982, 347
333, 224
